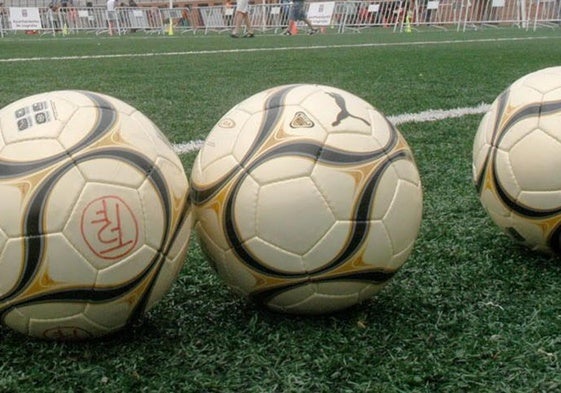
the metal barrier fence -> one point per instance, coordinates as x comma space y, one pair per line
81, 3
339, 16
547, 13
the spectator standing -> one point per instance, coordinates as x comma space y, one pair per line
2, 12
284, 11
111, 15
52, 14
242, 15
132, 4
228, 12
296, 13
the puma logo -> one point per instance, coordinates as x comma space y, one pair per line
344, 113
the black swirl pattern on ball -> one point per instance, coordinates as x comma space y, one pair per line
320, 154
501, 105
360, 217
272, 109
534, 110
359, 231
360, 220
554, 240
35, 242
373, 276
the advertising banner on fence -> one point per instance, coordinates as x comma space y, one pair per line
320, 13
25, 18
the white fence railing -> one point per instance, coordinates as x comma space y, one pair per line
339, 16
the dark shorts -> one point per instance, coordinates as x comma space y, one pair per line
297, 11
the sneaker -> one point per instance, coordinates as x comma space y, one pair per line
234, 35
286, 32
248, 35
313, 31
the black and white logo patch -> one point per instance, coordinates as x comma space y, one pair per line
301, 120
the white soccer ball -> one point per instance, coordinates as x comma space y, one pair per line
307, 199
94, 215
517, 160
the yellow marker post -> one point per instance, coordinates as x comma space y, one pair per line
408, 18
170, 29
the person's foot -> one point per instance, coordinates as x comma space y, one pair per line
234, 35
286, 32
313, 31
248, 35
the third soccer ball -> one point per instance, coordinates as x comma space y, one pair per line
308, 199
517, 160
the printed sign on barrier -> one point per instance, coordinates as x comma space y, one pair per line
320, 13
25, 18
433, 5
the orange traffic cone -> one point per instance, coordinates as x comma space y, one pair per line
292, 27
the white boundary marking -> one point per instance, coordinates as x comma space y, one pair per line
269, 49
438, 114
421, 117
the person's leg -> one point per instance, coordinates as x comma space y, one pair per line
291, 19
288, 27
312, 30
237, 24
248, 27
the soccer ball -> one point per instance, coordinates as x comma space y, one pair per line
517, 160
94, 219
307, 199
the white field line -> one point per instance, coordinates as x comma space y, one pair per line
421, 117
268, 49
437, 114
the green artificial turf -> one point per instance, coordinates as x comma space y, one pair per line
469, 311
